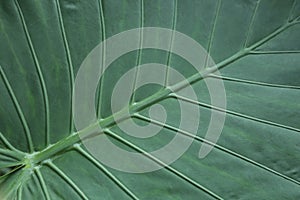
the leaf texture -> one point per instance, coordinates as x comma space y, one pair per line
256, 47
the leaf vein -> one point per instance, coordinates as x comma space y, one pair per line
102, 27
213, 32
19, 111
224, 149
42, 183
69, 60
169, 168
139, 56
251, 23
254, 82
236, 113
174, 23
39, 72
275, 52
106, 172
67, 179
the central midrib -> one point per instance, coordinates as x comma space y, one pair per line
133, 108
164, 93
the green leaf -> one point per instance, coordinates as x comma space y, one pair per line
256, 47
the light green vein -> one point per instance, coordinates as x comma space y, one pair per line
67, 179
291, 11
42, 183
275, 52
12, 154
102, 24
254, 82
235, 113
8, 144
106, 172
174, 23
39, 72
211, 37
169, 168
273, 34
10, 173
226, 150
19, 192
19, 111
139, 56
251, 23
69, 59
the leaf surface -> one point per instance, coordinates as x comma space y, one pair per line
256, 47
